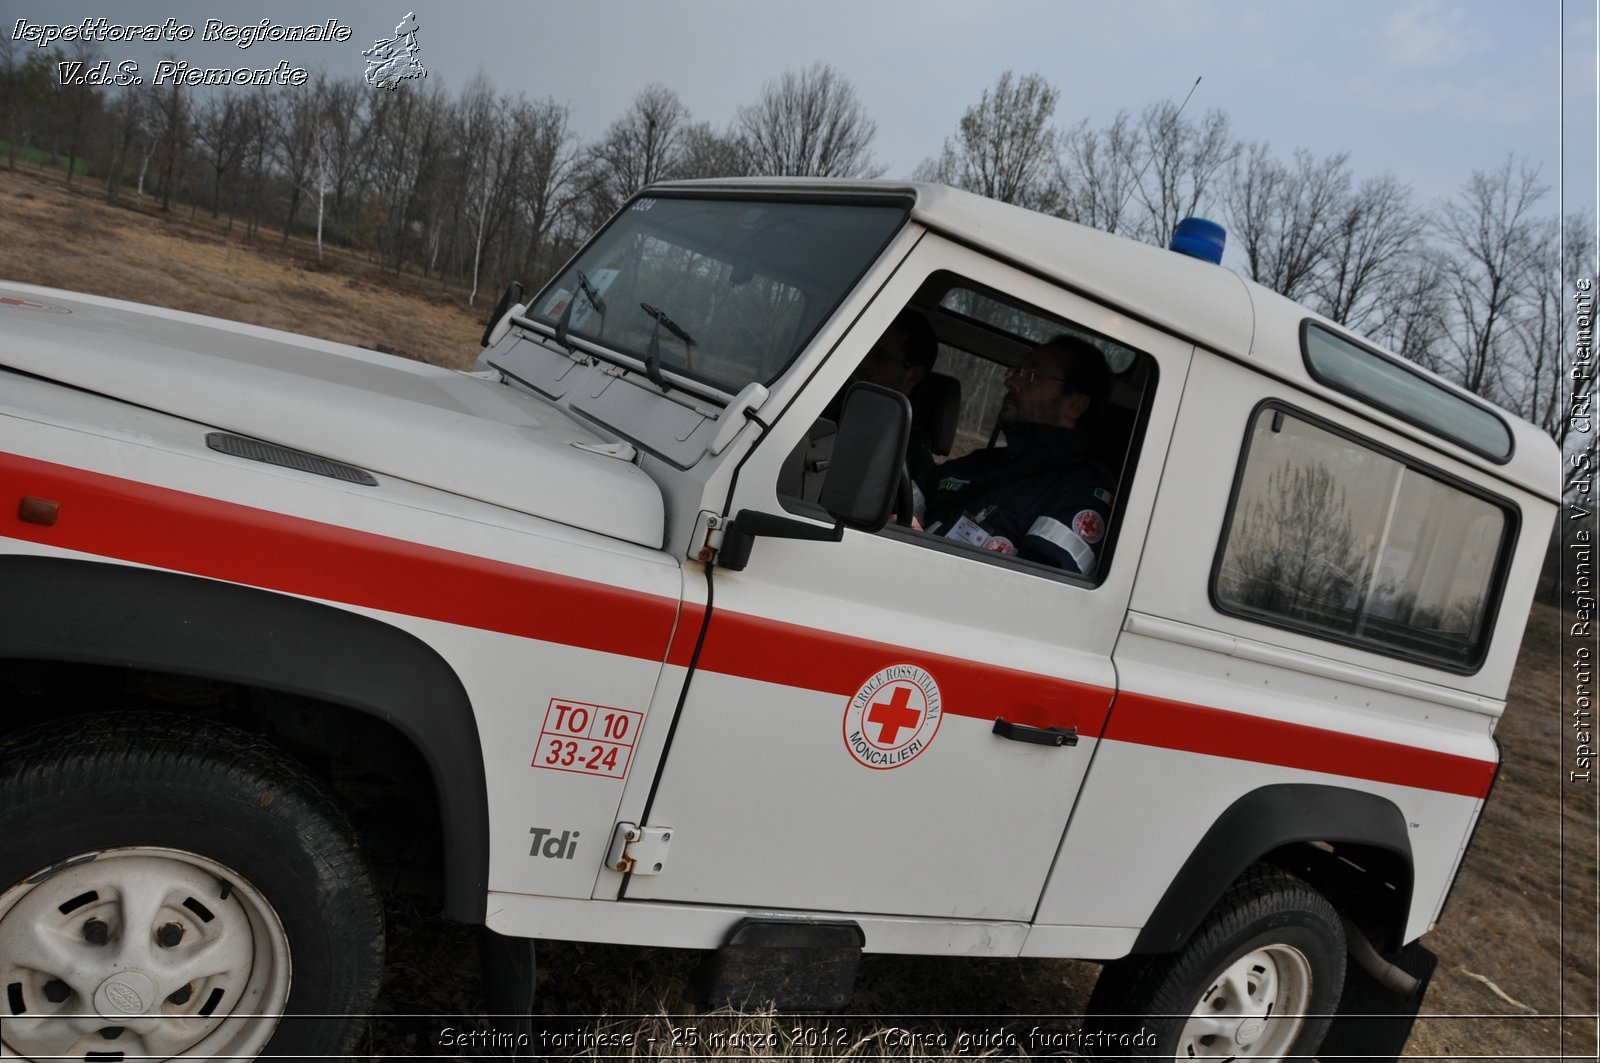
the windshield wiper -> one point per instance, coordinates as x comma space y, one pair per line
589, 293
566, 312
652, 358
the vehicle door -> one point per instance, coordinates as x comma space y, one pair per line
836, 747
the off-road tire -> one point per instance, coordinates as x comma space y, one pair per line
146, 805
509, 968
1142, 1006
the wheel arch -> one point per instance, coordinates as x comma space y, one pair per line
96, 613
1351, 845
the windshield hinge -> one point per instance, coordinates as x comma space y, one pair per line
742, 409
707, 537
621, 451
637, 850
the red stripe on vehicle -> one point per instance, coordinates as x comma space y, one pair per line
772, 651
157, 526
1153, 721
164, 528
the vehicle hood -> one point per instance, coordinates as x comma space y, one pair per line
463, 433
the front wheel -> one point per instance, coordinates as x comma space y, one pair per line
171, 888
1260, 978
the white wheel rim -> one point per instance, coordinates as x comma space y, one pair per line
152, 953
1254, 1009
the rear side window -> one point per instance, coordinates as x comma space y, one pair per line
1334, 537
1391, 385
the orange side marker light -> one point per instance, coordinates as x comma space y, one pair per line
38, 510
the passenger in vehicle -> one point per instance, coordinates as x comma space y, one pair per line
1040, 497
902, 359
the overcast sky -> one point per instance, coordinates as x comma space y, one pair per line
1427, 89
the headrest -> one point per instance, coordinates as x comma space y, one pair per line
936, 409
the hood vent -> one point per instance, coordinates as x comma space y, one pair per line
272, 454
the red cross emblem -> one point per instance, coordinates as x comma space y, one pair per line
1089, 526
893, 715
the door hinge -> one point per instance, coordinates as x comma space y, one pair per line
638, 850
707, 537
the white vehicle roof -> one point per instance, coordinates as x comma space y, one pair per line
1208, 304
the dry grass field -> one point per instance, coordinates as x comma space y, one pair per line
77, 241
1517, 945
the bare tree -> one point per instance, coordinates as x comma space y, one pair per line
1377, 231
1140, 177
1492, 240
1543, 350
708, 153
1181, 163
12, 102
807, 124
296, 146
410, 167
644, 145
479, 133
219, 127
1098, 171
77, 104
1294, 551
1411, 315
171, 142
492, 150
1005, 147
1284, 216
127, 117
547, 183
343, 131
258, 133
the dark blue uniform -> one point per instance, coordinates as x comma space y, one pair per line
1039, 497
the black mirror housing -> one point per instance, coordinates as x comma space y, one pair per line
863, 482
869, 456
508, 298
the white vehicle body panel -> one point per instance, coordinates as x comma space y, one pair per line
453, 431
511, 679
1151, 782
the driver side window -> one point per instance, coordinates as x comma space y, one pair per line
1024, 429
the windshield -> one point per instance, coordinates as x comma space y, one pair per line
723, 290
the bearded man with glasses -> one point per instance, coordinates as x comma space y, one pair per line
1039, 497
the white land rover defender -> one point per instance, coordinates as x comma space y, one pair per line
627, 636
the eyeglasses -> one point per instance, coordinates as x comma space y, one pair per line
1030, 375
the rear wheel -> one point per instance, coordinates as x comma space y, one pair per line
172, 888
1260, 977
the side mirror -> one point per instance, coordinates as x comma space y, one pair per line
863, 480
510, 304
868, 456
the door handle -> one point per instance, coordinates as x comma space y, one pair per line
1042, 736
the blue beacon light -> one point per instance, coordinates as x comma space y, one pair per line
1199, 238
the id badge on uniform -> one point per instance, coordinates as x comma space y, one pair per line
967, 530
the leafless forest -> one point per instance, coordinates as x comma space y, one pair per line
478, 187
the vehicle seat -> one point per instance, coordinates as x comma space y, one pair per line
936, 410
